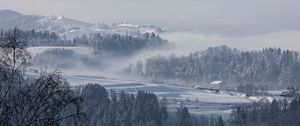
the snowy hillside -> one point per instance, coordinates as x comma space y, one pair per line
68, 28
10, 19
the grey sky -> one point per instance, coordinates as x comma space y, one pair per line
224, 17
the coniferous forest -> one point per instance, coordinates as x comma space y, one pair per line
269, 67
109, 43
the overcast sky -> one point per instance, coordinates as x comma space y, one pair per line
224, 17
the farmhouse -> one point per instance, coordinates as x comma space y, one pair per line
214, 85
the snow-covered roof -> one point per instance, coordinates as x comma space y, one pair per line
217, 82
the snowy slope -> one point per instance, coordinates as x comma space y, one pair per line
198, 101
10, 19
66, 27
163, 90
61, 24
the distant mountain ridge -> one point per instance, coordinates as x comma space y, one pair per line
66, 27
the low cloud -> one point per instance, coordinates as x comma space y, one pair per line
194, 41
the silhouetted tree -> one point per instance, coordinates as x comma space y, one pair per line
44, 101
183, 117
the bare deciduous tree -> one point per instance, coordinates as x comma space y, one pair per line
13, 60
44, 101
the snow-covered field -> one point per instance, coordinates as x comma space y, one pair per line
198, 101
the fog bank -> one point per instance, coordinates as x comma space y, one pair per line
194, 41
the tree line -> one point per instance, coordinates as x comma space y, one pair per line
275, 113
109, 43
122, 45
39, 38
270, 67
121, 109
111, 108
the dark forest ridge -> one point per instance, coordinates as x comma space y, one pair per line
268, 68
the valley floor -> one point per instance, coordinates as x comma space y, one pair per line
201, 102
